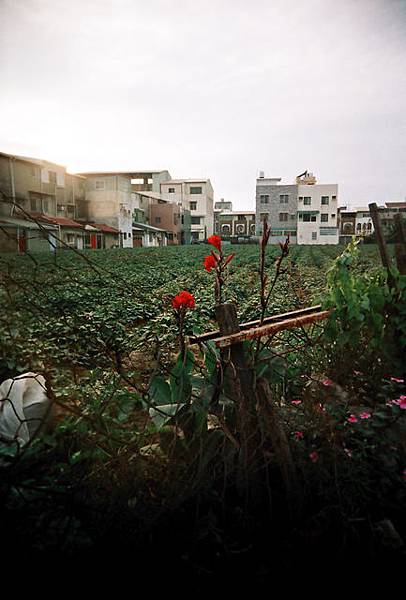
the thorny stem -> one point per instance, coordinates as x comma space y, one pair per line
266, 295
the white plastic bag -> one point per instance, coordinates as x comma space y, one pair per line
24, 406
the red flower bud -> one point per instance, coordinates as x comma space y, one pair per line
209, 263
215, 241
183, 299
229, 258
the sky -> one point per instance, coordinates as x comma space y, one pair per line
219, 89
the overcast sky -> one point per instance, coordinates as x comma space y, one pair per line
215, 88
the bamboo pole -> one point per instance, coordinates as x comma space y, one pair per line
269, 329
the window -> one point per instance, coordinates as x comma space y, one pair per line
193, 205
157, 219
195, 190
324, 218
70, 238
171, 190
333, 198
284, 199
195, 220
264, 199
325, 200
125, 235
52, 177
263, 216
100, 185
45, 206
333, 216
314, 235
283, 216
300, 198
307, 218
225, 229
35, 204
307, 200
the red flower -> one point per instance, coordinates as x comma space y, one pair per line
209, 263
314, 457
183, 299
298, 435
215, 240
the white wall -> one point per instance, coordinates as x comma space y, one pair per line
306, 229
204, 207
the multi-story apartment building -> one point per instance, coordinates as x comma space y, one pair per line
109, 200
40, 204
306, 211
152, 208
40, 186
195, 195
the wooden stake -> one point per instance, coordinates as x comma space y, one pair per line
400, 247
387, 263
373, 208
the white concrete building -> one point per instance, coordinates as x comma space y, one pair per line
305, 210
317, 214
195, 195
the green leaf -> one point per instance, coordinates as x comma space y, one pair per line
160, 391
160, 416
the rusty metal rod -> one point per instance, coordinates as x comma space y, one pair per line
205, 337
269, 329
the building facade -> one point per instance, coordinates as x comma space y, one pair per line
305, 210
196, 196
40, 186
109, 201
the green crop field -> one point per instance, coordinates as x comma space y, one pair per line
68, 309
197, 458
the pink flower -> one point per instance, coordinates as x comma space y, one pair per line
296, 402
348, 452
298, 435
314, 457
401, 402
327, 382
357, 373
365, 415
397, 380
352, 419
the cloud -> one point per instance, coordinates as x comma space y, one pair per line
215, 88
